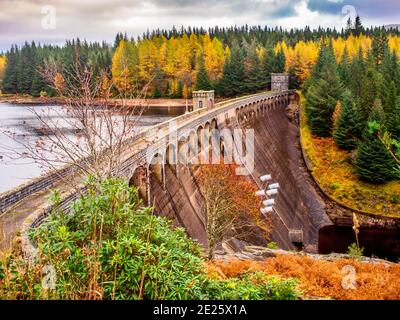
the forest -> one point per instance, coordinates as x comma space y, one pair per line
173, 63
349, 78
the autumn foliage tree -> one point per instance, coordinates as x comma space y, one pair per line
231, 205
2, 68
124, 66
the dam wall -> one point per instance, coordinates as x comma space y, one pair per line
276, 149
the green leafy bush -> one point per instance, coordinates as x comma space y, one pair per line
110, 247
355, 251
272, 245
253, 286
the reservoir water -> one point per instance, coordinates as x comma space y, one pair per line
19, 124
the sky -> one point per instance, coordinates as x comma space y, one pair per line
54, 21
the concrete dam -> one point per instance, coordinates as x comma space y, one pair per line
298, 206
172, 187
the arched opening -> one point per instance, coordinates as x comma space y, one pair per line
193, 147
172, 157
139, 180
214, 124
241, 114
200, 137
183, 150
156, 168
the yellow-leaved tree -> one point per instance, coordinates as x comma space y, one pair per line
125, 67
3, 62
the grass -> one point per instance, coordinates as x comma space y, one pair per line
333, 170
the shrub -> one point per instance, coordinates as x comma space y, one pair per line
109, 247
272, 245
394, 198
355, 251
253, 286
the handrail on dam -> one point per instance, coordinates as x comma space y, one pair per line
10, 198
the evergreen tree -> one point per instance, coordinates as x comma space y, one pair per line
293, 84
202, 80
344, 69
234, 75
358, 68
10, 82
347, 131
324, 92
374, 163
179, 91
280, 62
358, 27
371, 90
379, 46
254, 75
391, 110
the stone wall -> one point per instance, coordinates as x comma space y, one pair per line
11, 197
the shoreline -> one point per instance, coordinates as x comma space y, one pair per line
150, 103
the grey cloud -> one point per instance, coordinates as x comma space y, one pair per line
20, 20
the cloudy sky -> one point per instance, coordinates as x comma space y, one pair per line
54, 21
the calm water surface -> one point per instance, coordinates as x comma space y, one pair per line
22, 124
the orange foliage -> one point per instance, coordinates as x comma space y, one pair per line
320, 278
240, 190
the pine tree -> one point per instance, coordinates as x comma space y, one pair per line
391, 110
254, 74
280, 62
344, 69
371, 90
358, 27
379, 46
324, 91
234, 75
357, 67
202, 79
373, 163
10, 83
347, 131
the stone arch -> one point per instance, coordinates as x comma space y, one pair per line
241, 113
139, 179
193, 146
183, 151
200, 141
171, 156
214, 124
156, 168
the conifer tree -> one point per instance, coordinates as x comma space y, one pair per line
357, 67
374, 163
202, 79
379, 46
10, 82
358, 27
371, 90
344, 69
347, 131
254, 73
324, 91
